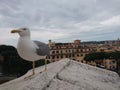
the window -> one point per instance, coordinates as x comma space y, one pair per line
48, 57
66, 56
77, 55
73, 51
66, 50
61, 51
73, 55
53, 52
57, 51
61, 56
114, 67
69, 50
57, 57
53, 57
81, 54
110, 67
113, 61
77, 50
69, 55
81, 50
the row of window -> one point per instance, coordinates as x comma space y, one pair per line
68, 51
111, 62
65, 56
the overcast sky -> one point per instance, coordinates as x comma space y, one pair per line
60, 20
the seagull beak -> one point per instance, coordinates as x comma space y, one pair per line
15, 31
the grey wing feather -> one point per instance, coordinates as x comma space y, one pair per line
43, 49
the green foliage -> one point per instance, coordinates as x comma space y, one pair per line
102, 55
96, 56
115, 55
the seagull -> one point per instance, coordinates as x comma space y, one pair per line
30, 50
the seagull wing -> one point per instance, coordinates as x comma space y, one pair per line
42, 48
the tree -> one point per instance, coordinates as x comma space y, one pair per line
116, 56
104, 55
96, 56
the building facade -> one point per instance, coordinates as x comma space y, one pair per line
110, 64
74, 50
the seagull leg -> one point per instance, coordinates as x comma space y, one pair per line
45, 64
33, 70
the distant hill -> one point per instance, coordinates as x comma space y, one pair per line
98, 42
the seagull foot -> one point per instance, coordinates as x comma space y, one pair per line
29, 77
43, 70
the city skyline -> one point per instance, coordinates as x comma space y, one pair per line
60, 21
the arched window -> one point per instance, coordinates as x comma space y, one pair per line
61, 56
81, 54
57, 51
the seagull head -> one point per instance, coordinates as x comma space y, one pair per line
22, 31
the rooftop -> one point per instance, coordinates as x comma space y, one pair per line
66, 75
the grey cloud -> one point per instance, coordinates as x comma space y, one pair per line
77, 18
